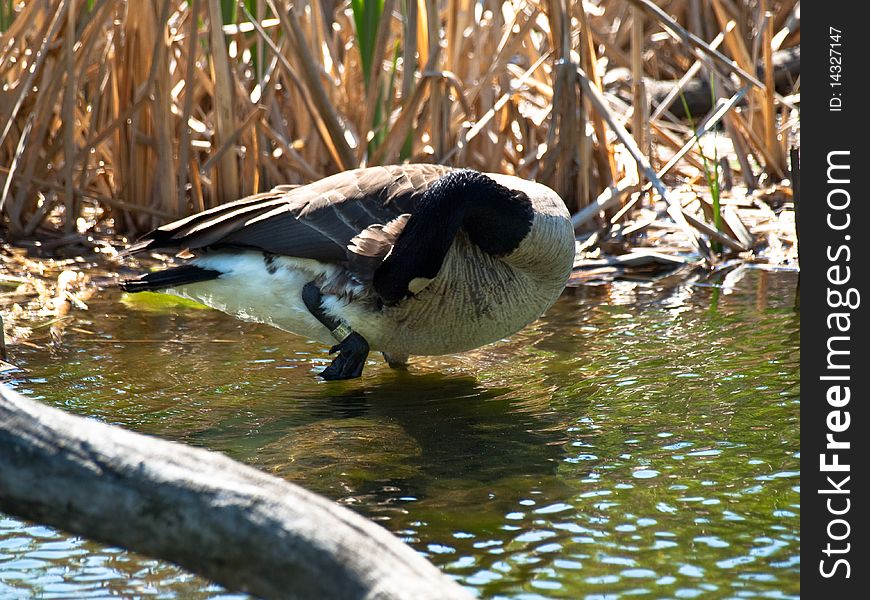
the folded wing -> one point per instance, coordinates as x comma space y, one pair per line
319, 221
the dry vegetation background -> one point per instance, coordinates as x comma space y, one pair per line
116, 116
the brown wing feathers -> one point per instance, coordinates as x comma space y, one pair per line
370, 247
181, 234
350, 215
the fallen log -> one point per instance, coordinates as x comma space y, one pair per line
228, 522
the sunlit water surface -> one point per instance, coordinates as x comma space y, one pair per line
639, 440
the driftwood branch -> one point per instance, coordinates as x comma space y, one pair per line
228, 522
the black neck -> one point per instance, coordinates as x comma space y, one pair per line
495, 218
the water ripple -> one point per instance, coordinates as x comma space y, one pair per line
638, 440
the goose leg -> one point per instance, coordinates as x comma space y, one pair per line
352, 348
396, 361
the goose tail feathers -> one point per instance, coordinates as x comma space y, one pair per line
160, 280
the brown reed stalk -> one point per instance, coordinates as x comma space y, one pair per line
129, 113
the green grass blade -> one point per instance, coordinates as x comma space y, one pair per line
711, 174
7, 14
366, 18
229, 11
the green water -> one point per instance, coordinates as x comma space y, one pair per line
637, 441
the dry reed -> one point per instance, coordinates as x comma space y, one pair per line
117, 115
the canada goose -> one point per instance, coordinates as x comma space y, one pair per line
411, 259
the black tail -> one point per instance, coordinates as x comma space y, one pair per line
160, 280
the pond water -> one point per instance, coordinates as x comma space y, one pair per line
639, 440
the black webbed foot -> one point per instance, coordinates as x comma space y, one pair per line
352, 349
352, 354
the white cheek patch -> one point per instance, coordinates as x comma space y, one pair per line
416, 285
